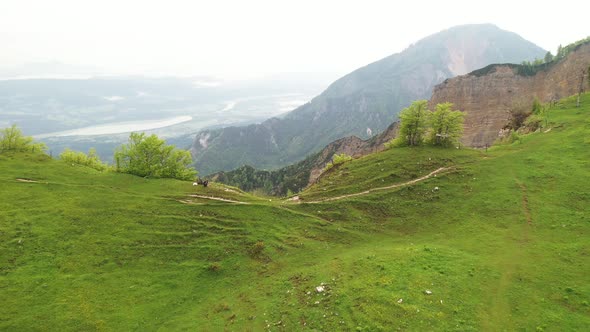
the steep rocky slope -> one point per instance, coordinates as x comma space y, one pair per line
488, 94
362, 103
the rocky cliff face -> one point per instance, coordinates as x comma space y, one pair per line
488, 94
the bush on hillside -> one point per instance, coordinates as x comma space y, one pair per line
80, 158
150, 156
12, 139
518, 114
533, 123
337, 159
257, 249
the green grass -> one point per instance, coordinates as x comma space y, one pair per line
504, 244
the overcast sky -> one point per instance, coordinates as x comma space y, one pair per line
257, 37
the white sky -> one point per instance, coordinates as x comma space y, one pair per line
257, 37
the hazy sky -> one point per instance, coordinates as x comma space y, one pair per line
257, 37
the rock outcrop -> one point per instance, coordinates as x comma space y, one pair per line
487, 95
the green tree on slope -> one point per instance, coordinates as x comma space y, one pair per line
413, 123
150, 156
12, 139
446, 125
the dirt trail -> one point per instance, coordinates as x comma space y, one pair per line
398, 185
28, 181
509, 264
215, 199
525, 204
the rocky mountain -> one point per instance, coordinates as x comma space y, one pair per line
503, 86
362, 103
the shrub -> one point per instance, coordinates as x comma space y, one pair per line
12, 139
80, 158
337, 159
509, 138
257, 249
518, 114
537, 107
214, 267
533, 122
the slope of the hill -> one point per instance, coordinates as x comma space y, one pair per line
361, 103
501, 245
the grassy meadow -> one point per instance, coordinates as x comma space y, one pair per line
499, 242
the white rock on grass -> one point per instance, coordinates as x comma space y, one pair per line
320, 289
428, 292
400, 300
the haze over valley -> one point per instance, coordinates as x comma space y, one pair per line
84, 112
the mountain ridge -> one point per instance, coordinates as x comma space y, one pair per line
558, 79
361, 103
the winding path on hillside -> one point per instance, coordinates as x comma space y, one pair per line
214, 198
393, 186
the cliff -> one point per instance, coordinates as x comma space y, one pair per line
486, 95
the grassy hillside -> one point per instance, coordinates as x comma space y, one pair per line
503, 244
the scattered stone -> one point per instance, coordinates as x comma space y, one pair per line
400, 301
317, 302
320, 289
428, 292
435, 188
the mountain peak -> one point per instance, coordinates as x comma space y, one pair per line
369, 97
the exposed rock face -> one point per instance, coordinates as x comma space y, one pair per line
487, 98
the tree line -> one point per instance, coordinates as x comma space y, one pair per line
143, 155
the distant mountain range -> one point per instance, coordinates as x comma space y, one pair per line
362, 103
